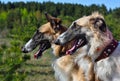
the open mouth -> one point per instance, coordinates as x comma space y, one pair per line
79, 42
43, 46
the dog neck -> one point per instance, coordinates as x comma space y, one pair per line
108, 50
98, 45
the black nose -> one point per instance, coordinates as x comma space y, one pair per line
24, 50
57, 42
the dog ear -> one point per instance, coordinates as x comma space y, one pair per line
99, 23
55, 22
48, 17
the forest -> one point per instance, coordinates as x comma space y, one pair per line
18, 22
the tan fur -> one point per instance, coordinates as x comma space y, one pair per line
100, 40
89, 23
49, 31
91, 74
91, 69
66, 63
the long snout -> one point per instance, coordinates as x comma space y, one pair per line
61, 40
24, 50
57, 42
29, 46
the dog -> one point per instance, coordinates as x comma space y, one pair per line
45, 37
78, 65
62, 72
64, 66
102, 48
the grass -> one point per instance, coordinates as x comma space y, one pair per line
17, 66
38, 70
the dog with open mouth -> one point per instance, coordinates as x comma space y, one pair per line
79, 64
45, 37
102, 48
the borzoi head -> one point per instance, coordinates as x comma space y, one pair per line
37, 39
88, 27
43, 35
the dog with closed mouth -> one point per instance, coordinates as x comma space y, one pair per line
102, 48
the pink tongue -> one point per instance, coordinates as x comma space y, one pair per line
38, 54
70, 51
75, 46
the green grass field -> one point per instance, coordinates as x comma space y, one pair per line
29, 70
38, 70
17, 66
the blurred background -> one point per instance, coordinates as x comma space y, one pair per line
20, 18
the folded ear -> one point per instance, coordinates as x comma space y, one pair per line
99, 23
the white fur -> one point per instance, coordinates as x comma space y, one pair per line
109, 69
60, 74
28, 45
66, 73
83, 63
53, 51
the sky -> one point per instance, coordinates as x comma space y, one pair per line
108, 3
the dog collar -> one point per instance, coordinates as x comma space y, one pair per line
108, 50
